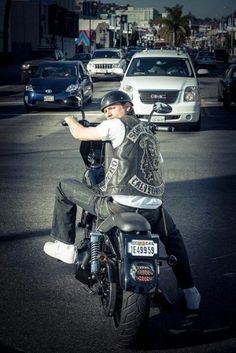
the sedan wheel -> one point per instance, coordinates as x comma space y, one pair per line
226, 101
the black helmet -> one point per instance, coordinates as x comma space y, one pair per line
114, 97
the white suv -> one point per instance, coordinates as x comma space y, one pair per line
166, 76
104, 61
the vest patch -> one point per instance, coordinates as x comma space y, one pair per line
146, 188
136, 131
110, 172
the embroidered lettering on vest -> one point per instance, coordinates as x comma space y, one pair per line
110, 172
145, 188
136, 131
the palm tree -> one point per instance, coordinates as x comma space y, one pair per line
175, 26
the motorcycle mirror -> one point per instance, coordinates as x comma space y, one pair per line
162, 108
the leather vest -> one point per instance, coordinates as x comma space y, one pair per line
134, 168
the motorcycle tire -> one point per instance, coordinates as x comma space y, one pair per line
130, 318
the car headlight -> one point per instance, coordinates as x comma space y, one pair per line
128, 89
29, 88
191, 94
25, 66
72, 88
90, 65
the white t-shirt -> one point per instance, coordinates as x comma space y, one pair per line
114, 130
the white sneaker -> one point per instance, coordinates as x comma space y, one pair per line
192, 298
61, 251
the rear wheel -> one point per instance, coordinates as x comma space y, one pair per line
130, 317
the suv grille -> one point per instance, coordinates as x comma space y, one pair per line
150, 97
103, 66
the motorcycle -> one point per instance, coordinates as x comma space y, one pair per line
119, 258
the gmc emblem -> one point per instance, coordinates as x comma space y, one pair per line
158, 96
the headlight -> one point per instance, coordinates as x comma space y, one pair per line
29, 88
72, 88
128, 89
90, 65
191, 94
25, 66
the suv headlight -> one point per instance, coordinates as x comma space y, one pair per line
29, 88
72, 88
90, 65
25, 66
191, 94
128, 89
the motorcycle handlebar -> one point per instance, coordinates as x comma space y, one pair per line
163, 128
83, 122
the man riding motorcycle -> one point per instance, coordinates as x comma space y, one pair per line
133, 183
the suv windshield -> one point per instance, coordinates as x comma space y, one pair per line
153, 66
106, 54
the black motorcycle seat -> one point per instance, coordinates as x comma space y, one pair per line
126, 222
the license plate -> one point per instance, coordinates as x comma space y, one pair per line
48, 98
102, 71
158, 119
142, 248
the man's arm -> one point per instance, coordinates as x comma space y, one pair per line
80, 132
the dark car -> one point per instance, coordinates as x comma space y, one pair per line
222, 55
38, 56
84, 57
131, 51
58, 85
227, 86
204, 59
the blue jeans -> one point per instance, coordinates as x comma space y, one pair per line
71, 193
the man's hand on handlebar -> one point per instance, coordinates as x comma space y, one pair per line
71, 119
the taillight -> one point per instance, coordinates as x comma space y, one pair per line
142, 272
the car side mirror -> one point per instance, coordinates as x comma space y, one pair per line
202, 72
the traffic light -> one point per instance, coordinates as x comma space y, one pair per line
123, 19
86, 8
94, 8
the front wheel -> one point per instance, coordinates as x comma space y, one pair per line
130, 317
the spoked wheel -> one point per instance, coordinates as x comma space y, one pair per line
109, 298
130, 317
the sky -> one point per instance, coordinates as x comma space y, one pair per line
199, 8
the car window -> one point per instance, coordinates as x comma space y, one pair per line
153, 66
106, 54
81, 71
234, 73
55, 71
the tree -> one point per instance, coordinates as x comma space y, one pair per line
175, 27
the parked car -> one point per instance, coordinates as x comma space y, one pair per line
38, 56
205, 59
57, 84
166, 76
84, 57
104, 61
227, 86
222, 55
